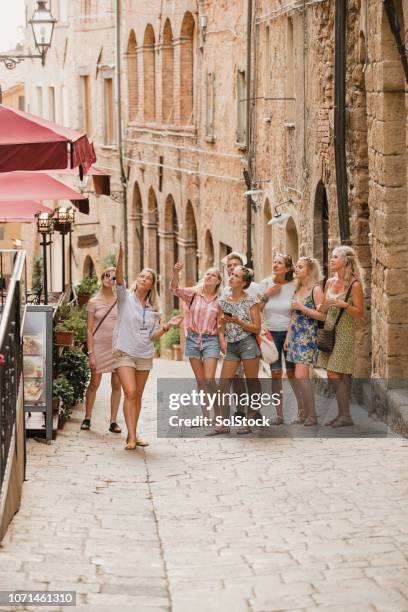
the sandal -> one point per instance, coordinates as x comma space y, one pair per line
131, 445
114, 428
298, 421
343, 422
86, 424
217, 431
243, 430
310, 421
277, 421
141, 442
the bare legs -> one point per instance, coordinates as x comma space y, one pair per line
115, 397
92, 389
341, 386
204, 371
305, 391
133, 383
90, 395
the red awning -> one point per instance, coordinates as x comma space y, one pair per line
18, 186
21, 212
28, 142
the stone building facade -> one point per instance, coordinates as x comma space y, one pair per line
76, 88
294, 147
183, 108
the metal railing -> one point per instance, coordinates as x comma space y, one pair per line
12, 311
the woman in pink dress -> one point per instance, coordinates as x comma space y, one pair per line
102, 313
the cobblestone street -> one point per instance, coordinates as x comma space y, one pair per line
211, 524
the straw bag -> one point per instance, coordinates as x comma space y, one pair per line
269, 352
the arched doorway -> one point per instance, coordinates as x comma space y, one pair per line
89, 267
208, 250
191, 256
170, 250
267, 255
321, 229
151, 236
291, 239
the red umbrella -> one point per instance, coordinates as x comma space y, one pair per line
32, 143
21, 212
18, 186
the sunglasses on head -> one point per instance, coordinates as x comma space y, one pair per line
110, 275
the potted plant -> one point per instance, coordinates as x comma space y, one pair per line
63, 398
86, 289
76, 322
63, 335
74, 365
171, 343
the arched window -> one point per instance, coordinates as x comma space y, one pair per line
149, 75
132, 76
292, 240
167, 74
187, 70
171, 229
89, 267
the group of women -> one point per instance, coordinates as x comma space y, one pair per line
291, 304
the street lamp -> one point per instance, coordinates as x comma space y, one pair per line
62, 224
280, 217
44, 227
71, 218
42, 23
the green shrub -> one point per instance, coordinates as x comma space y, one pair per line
62, 389
76, 322
109, 261
74, 366
88, 286
38, 273
172, 337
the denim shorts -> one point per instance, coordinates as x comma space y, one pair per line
279, 338
246, 348
210, 346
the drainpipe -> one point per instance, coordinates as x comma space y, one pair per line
340, 118
248, 134
123, 177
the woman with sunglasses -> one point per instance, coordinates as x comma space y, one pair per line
102, 313
137, 326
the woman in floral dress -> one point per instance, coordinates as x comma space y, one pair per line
301, 340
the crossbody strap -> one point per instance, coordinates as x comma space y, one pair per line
104, 317
343, 309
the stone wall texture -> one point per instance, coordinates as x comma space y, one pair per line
183, 80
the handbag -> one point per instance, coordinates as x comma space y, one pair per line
85, 345
269, 352
326, 338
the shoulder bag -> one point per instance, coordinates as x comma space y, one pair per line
326, 338
85, 345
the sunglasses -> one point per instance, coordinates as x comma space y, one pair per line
109, 275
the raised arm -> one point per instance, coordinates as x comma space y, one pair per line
174, 284
119, 266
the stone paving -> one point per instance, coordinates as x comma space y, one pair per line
211, 524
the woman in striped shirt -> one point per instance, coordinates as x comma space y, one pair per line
203, 340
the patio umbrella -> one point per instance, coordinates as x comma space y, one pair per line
18, 186
28, 142
21, 212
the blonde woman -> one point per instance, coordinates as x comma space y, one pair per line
301, 341
137, 326
203, 337
102, 312
343, 294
